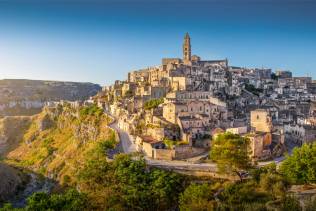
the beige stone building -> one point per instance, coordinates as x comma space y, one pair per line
237, 130
148, 144
261, 120
259, 145
215, 113
172, 110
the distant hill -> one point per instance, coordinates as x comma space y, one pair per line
27, 97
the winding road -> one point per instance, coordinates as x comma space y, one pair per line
126, 140
128, 146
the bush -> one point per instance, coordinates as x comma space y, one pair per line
105, 145
274, 184
240, 193
154, 103
71, 200
92, 110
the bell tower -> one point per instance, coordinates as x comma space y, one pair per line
187, 48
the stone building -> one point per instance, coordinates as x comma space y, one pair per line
259, 145
261, 120
148, 144
283, 74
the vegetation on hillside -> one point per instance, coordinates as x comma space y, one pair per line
127, 184
76, 157
58, 150
92, 110
154, 103
71, 200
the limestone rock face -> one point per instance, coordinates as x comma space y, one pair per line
45, 123
85, 132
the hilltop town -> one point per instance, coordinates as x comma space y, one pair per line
189, 134
173, 110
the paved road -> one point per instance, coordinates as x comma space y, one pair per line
126, 140
128, 146
182, 165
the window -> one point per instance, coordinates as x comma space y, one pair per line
257, 116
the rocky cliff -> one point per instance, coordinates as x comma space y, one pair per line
56, 142
27, 97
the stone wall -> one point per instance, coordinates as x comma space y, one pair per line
164, 154
186, 151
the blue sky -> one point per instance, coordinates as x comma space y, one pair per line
100, 41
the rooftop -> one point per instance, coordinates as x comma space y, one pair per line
150, 140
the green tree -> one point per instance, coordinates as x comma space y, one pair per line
197, 197
300, 167
71, 200
128, 184
165, 188
231, 153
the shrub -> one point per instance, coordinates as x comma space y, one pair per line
92, 110
154, 103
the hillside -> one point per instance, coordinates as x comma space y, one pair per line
68, 145
27, 97
58, 141
11, 132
